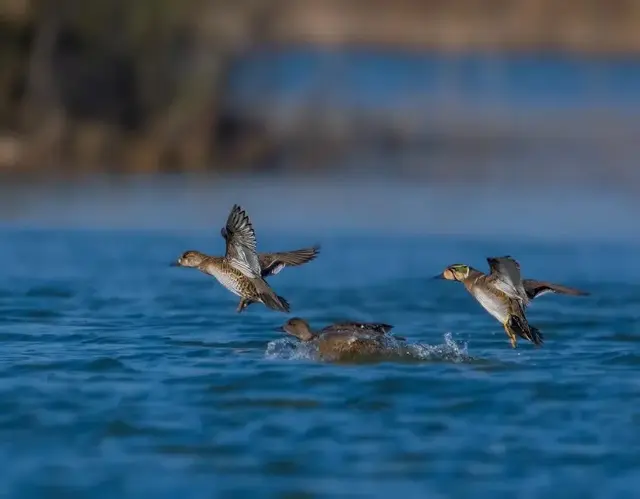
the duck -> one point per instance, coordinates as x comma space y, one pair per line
343, 340
505, 295
242, 270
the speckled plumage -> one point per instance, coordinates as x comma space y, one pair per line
505, 295
341, 341
234, 280
240, 270
272, 263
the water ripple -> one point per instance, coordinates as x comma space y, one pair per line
139, 380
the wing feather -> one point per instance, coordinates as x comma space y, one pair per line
241, 243
536, 288
365, 327
506, 274
272, 263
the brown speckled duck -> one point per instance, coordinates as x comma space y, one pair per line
341, 341
242, 270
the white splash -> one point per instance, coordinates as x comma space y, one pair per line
286, 348
449, 351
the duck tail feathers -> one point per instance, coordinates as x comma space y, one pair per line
520, 327
269, 297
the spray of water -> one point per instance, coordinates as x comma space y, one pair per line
394, 349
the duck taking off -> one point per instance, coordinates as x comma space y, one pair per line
242, 270
505, 295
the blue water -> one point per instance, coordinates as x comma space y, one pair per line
379, 80
123, 377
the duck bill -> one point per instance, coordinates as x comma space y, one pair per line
174, 264
280, 329
439, 276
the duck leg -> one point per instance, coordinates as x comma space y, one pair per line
244, 303
516, 325
510, 333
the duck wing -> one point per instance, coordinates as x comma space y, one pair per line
505, 274
535, 288
365, 328
362, 326
272, 263
241, 243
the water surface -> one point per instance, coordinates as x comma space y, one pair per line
123, 377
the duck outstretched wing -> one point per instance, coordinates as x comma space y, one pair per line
366, 328
536, 288
272, 263
241, 243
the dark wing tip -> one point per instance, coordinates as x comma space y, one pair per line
237, 216
579, 292
493, 261
498, 259
536, 288
316, 251
313, 250
537, 338
239, 228
285, 304
275, 302
235, 220
499, 264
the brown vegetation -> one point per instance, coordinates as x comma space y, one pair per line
139, 85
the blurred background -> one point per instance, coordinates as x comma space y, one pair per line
411, 115
401, 135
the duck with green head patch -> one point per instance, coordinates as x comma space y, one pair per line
505, 295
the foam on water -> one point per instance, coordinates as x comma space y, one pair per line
450, 350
